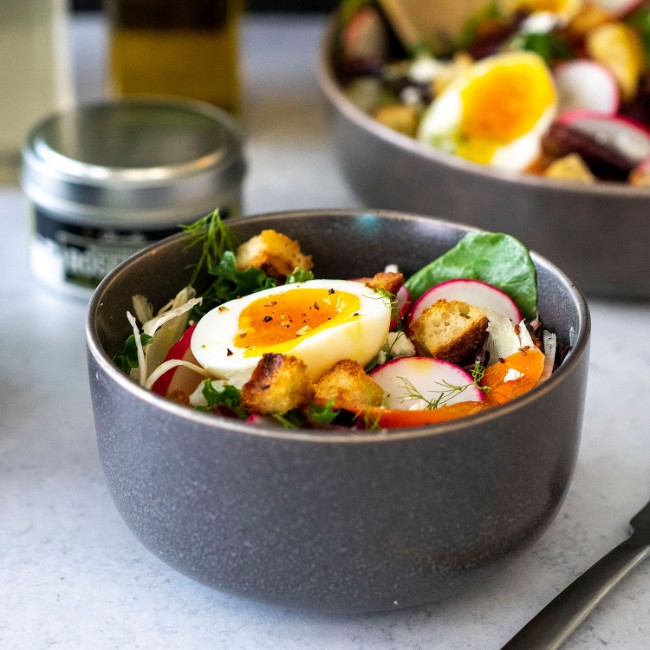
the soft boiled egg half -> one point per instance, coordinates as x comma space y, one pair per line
495, 112
318, 321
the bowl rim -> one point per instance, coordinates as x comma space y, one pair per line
327, 82
325, 436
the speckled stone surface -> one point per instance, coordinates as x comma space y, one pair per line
73, 576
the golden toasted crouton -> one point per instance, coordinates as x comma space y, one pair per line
348, 385
449, 330
276, 254
388, 281
402, 118
278, 384
570, 168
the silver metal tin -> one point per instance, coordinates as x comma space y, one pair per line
108, 178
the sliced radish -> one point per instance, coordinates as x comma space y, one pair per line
403, 298
365, 38
424, 382
626, 137
179, 378
474, 292
584, 84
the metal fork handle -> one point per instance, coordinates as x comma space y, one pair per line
553, 625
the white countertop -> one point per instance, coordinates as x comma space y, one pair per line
73, 576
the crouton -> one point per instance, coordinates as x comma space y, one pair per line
276, 254
278, 384
402, 118
570, 168
449, 330
390, 282
348, 385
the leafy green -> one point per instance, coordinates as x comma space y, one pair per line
314, 415
299, 275
550, 46
349, 8
495, 258
128, 357
470, 29
322, 415
215, 239
640, 20
228, 396
230, 283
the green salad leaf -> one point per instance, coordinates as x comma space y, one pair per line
472, 25
640, 20
228, 396
214, 237
127, 358
495, 258
550, 46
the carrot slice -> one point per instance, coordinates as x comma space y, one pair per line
392, 418
526, 367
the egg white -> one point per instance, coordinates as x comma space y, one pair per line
358, 338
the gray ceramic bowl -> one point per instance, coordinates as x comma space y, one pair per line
599, 234
320, 520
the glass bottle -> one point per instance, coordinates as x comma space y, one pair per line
35, 74
185, 48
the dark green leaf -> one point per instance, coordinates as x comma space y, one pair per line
495, 258
469, 30
229, 397
640, 20
230, 283
213, 236
128, 357
548, 45
322, 415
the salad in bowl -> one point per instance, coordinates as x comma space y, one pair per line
268, 341
555, 88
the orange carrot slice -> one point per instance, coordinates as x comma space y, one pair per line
526, 367
393, 418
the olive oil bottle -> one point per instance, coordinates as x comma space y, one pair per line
182, 48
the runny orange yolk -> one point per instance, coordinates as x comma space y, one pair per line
277, 323
502, 105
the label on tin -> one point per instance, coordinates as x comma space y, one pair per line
74, 258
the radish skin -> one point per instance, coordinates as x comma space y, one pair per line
475, 292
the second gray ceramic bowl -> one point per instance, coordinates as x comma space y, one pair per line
597, 233
331, 521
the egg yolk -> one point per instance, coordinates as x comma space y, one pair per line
280, 321
502, 105
553, 6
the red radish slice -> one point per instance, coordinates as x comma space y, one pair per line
583, 84
403, 298
474, 292
424, 382
628, 138
179, 378
365, 37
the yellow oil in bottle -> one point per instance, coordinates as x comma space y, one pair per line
184, 49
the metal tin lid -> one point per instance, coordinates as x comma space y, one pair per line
127, 161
